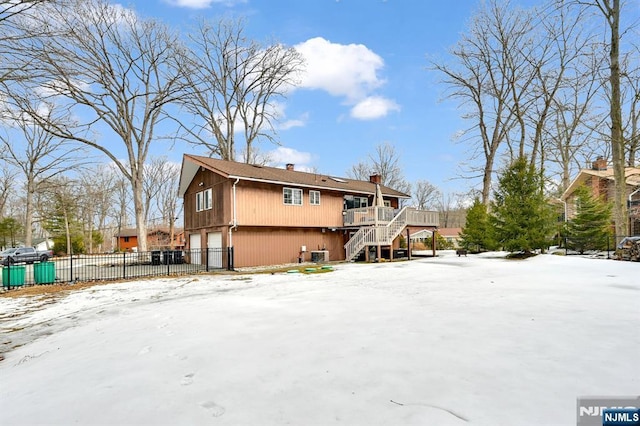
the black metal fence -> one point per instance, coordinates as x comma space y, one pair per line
611, 246
117, 266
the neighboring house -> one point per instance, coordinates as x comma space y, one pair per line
276, 216
452, 235
157, 238
602, 183
42, 244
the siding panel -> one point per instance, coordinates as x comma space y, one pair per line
262, 205
255, 246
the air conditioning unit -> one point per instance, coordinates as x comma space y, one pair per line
320, 256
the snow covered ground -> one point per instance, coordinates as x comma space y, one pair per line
436, 341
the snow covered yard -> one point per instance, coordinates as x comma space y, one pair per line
436, 341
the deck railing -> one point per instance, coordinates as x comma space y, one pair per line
366, 216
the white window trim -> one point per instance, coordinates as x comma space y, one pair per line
199, 201
208, 199
361, 199
293, 198
314, 201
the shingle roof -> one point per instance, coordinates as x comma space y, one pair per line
632, 177
234, 170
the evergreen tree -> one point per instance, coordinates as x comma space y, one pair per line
10, 228
521, 217
591, 226
477, 233
62, 221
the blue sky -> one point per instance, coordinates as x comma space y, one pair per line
367, 79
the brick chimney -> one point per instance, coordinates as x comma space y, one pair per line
599, 164
375, 178
290, 166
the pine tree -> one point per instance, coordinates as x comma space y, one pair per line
591, 226
521, 217
477, 234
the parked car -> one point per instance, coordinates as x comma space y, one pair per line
24, 254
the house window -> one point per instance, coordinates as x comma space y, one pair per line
208, 199
352, 202
204, 200
292, 196
199, 201
126, 239
360, 202
314, 198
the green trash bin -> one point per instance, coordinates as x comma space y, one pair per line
13, 276
44, 272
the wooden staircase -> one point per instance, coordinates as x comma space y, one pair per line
375, 235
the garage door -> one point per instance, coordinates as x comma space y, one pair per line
214, 249
195, 247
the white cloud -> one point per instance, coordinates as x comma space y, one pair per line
283, 155
342, 70
289, 124
350, 71
373, 107
202, 4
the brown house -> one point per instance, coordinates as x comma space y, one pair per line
275, 216
157, 238
602, 183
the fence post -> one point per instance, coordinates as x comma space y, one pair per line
71, 268
230, 255
206, 262
124, 264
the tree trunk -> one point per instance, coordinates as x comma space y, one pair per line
28, 221
141, 225
617, 140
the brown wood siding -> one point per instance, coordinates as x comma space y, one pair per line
263, 205
275, 246
216, 216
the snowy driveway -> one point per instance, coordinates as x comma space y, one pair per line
437, 341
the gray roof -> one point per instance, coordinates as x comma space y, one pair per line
243, 171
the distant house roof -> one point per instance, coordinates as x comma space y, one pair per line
450, 232
133, 232
243, 171
128, 232
632, 175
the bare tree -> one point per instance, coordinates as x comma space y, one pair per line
10, 12
156, 173
425, 195
489, 77
233, 83
631, 101
7, 178
167, 200
117, 71
572, 129
40, 157
122, 200
59, 207
11, 9
610, 10
452, 212
97, 189
385, 162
